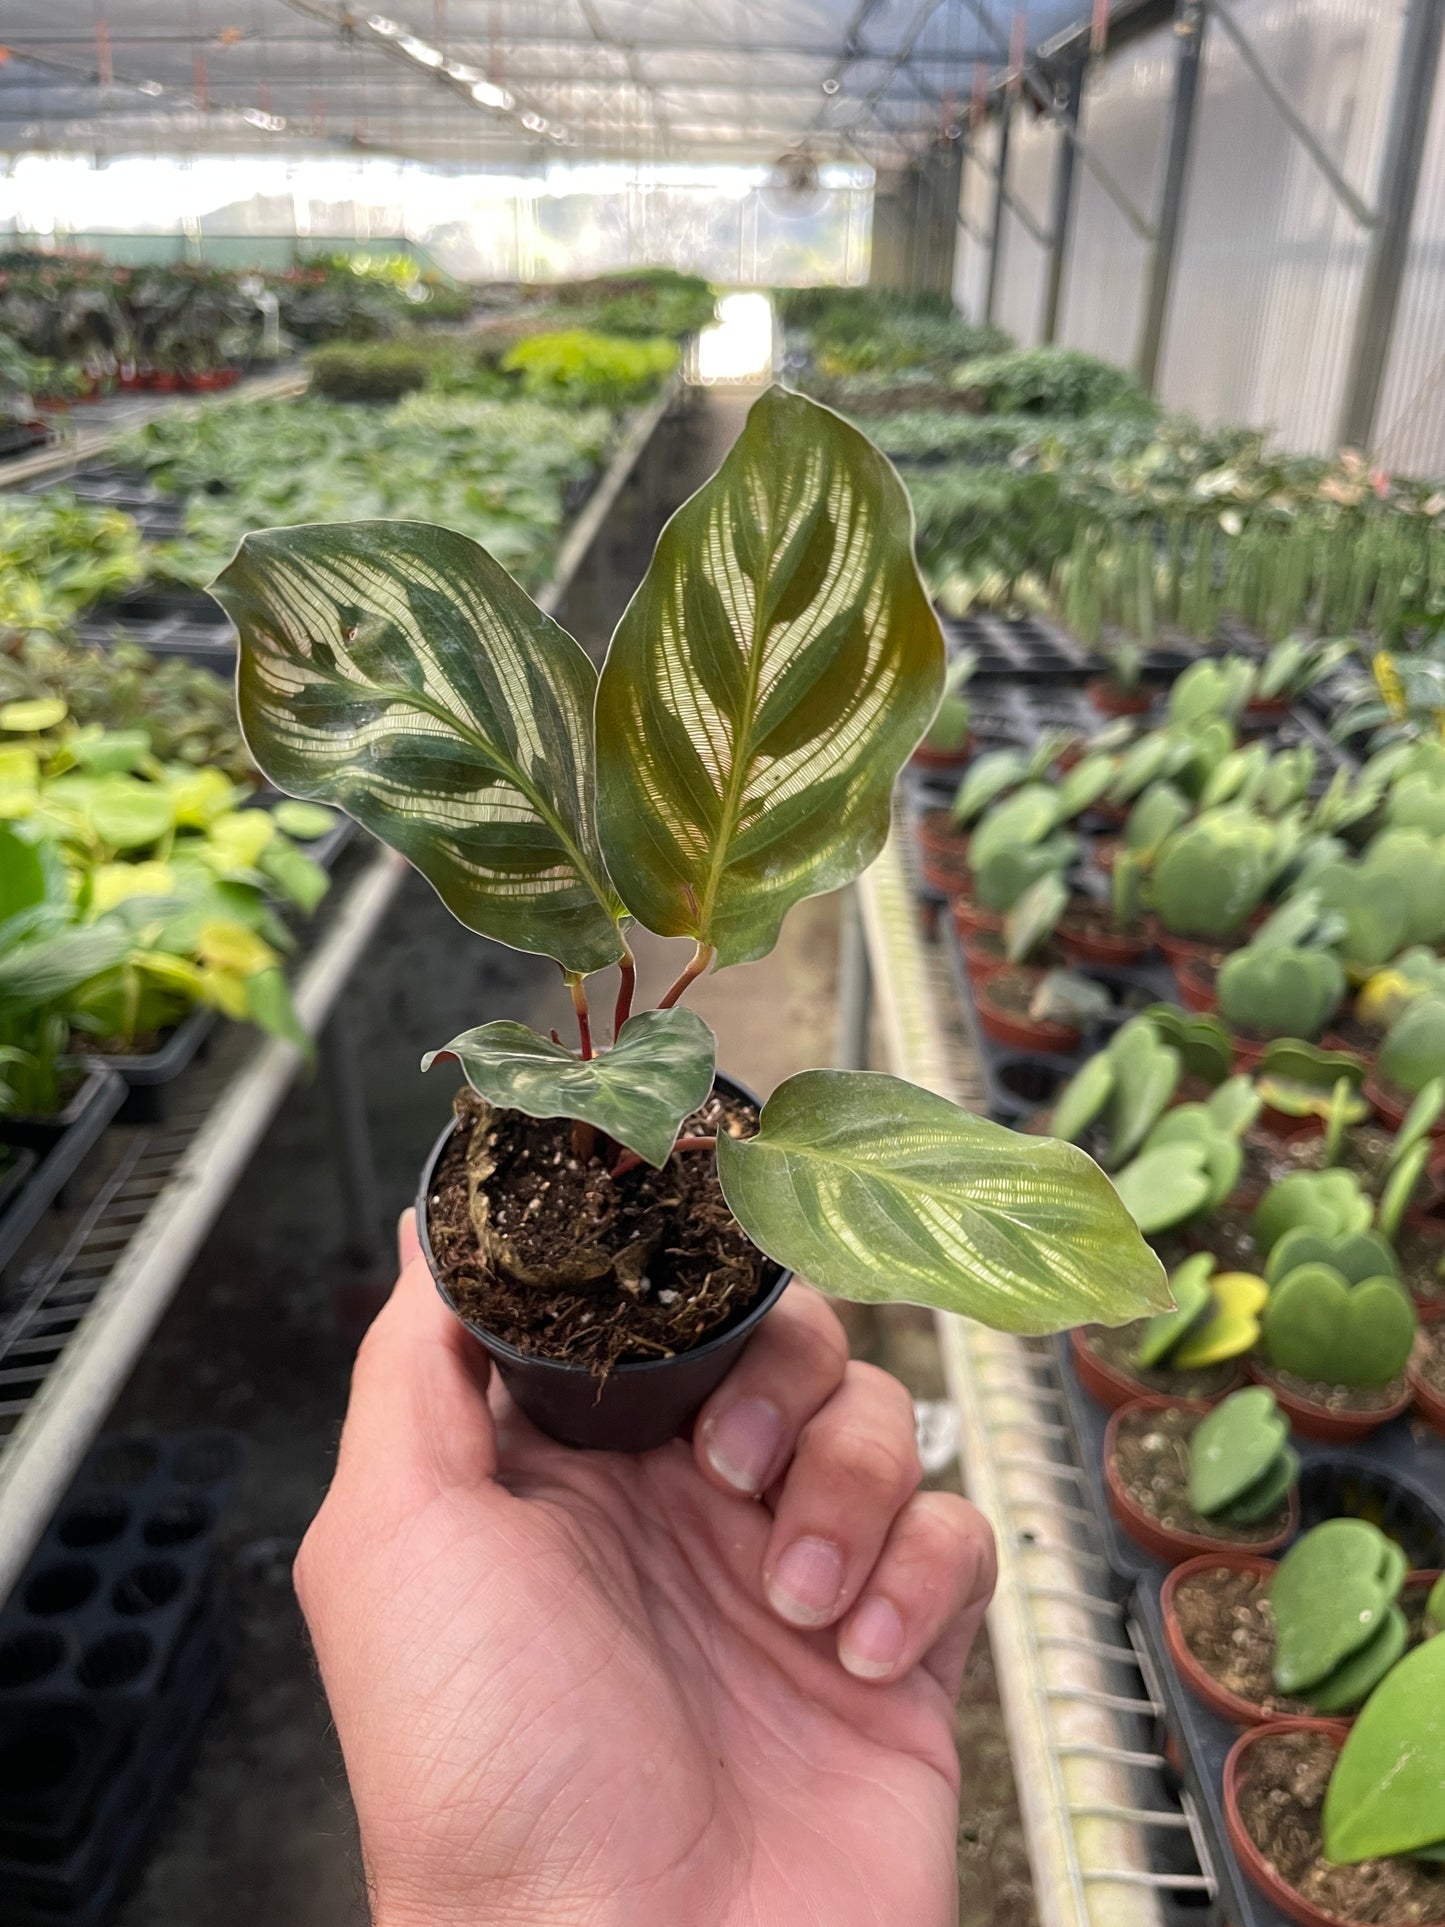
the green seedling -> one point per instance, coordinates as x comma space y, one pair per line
1122, 1091
1015, 845
1166, 1186
1213, 686
1276, 991
1387, 1792
989, 777
1210, 877
1126, 891
1189, 1287
1331, 1596
1371, 906
1197, 1037
1035, 917
1356, 1257
1287, 781
1240, 1461
1418, 1121
1413, 1052
1238, 778
1330, 1202
1084, 784
1158, 813
1385, 993
1326, 1330
1232, 1327
1235, 1105
1301, 1080
1413, 864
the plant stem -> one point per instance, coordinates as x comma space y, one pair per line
627, 983
579, 1004
702, 956
630, 1160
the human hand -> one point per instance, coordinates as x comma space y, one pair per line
571, 1687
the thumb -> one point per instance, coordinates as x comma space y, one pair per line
417, 1421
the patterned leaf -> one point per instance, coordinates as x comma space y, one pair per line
396, 670
659, 1070
771, 675
878, 1191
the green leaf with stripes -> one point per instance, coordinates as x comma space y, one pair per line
775, 669
878, 1191
659, 1070
396, 670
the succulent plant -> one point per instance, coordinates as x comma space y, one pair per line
1297, 664
1034, 918
1215, 1317
1275, 990
1015, 845
1157, 814
1287, 781
948, 733
1068, 997
1328, 1202
1415, 864
1236, 778
1338, 1630
1126, 891
1213, 686
1122, 1091
1413, 1052
1417, 802
1303, 1081
1201, 1041
1371, 905
989, 777
1387, 1792
1386, 992
1241, 1464
1324, 1328
1210, 876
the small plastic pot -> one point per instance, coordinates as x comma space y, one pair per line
1428, 1402
950, 761
1248, 1051
1168, 1542
1006, 1026
1195, 979
1110, 700
1315, 1421
968, 915
938, 842
1259, 1871
1112, 1387
641, 1404
1083, 944
1200, 1681
983, 955
1181, 950
1391, 1105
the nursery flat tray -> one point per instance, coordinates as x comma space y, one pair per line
1110, 1844
71, 1335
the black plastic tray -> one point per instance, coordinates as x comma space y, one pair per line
149, 1076
56, 1165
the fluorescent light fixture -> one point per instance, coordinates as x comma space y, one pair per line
419, 51
490, 96
379, 23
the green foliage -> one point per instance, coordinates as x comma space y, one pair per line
1323, 1328
1413, 1053
1123, 1091
1387, 1792
1240, 1461
1274, 990
591, 370
658, 1071
58, 556
1333, 1597
1035, 917
367, 371
1211, 876
1328, 1202
642, 301
1189, 1288
1057, 382
877, 1190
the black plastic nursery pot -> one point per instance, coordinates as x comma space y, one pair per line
88, 1099
149, 1075
641, 1404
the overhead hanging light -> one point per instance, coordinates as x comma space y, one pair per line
419, 51
379, 23
534, 123
490, 96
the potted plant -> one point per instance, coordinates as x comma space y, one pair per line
770, 677
1329, 1823
1119, 690
1412, 1055
948, 741
1209, 879
1192, 1353
1184, 1479
1111, 932
1292, 668
1337, 1330
1314, 1634
1269, 990
943, 834
1017, 842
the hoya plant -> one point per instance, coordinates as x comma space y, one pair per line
1241, 1463
776, 667
1215, 1317
1338, 1628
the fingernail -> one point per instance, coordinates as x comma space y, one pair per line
744, 1441
871, 1646
806, 1582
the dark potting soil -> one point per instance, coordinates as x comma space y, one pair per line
1364, 1151
1281, 1797
1419, 1257
1012, 990
1227, 1234
1334, 1398
1151, 1456
582, 1266
1094, 919
1226, 1622
993, 944
1116, 1346
1363, 1039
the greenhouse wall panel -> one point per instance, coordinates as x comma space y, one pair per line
1122, 122
1033, 144
1410, 420
1268, 273
970, 268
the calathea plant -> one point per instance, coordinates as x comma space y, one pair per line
773, 672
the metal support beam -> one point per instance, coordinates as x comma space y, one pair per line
1000, 192
1062, 213
1189, 41
1414, 88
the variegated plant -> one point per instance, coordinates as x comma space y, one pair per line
775, 669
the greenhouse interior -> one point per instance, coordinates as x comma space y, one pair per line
722, 963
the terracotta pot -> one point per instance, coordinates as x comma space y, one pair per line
1388, 1104
1006, 1026
1264, 709
1202, 1683
968, 915
1195, 979
983, 956
1090, 945
1111, 701
1165, 1542
937, 842
1429, 1403
1248, 1051
1106, 852
948, 760
1314, 1421
1184, 949
1113, 1387
1260, 1873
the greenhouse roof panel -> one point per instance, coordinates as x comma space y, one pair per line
502, 82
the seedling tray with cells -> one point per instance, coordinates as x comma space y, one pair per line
117, 1578
1018, 646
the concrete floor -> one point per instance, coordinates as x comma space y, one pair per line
261, 1336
